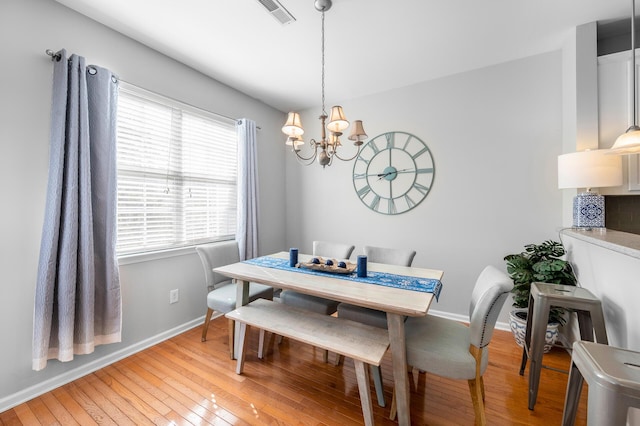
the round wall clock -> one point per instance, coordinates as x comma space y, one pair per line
393, 173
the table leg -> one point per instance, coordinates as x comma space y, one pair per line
242, 298
395, 325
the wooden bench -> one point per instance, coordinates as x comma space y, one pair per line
363, 343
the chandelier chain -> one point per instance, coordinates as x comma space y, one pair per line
324, 112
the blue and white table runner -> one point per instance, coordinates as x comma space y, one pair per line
426, 285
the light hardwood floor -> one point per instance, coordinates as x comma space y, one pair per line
184, 381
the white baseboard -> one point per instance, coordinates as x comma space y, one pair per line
71, 375
500, 325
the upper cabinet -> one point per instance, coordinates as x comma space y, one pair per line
615, 111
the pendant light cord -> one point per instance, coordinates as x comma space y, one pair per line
633, 59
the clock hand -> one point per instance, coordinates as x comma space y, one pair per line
383, 175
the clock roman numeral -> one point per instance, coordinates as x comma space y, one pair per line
421, 188
419, 153
374, 147
391, 141
392, 206
364, 191
359, 175
375, 203
409, 201
406, 143
427, 170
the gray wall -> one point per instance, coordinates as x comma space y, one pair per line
495, 134
28, 28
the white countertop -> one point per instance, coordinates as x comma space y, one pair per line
621, 242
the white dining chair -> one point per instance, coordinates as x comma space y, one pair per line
314, 303
454, 350
221, 296
390, 256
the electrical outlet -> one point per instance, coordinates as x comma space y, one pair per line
174, 296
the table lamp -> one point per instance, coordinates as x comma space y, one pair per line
589, 169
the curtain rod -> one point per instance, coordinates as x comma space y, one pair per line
55, 56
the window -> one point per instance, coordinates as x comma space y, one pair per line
177, 173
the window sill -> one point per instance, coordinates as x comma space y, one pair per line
129, 259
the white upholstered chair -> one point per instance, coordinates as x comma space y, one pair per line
222, 291
454, 350
314, 303
401, 257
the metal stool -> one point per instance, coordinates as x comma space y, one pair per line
613, 376
541, 298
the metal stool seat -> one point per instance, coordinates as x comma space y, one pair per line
541, 298
613, 376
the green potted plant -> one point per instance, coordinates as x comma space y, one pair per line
537, 263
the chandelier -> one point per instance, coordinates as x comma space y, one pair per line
327, 147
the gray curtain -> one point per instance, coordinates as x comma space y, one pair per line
247, 221
77, 302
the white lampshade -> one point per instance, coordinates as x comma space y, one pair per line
589, 169
628, 142
337, 120
293, 125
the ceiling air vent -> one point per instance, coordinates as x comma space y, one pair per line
278, 11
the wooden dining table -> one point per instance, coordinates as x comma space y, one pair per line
398, 303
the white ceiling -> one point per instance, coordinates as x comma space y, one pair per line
371, 45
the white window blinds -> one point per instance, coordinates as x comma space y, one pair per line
177, 173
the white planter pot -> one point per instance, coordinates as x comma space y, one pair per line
519, 327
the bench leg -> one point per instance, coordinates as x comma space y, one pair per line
242, 339
377, 381
362, 374
261, 344
231, 330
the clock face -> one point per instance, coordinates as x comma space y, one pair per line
393, 173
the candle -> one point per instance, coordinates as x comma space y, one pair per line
362, 266
293, 257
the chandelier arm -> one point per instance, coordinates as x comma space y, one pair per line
313, 155
335, 154
305, 161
